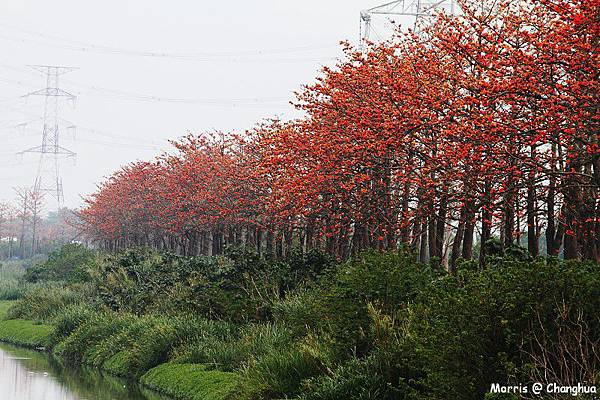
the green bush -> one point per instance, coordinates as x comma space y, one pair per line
12, 289
356, 379
5, 305
484, 327
338, 308
229, 351
69, 320
65, 264
239, 287
126, 344
12, 286
80, 345
139, 347
451, 337
380, 326
299, 311
392, 371
280, 373
213, 343
46, 301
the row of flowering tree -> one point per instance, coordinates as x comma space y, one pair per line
481, 125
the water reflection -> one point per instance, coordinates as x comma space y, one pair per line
29, 375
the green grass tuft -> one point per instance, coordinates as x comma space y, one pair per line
192, 382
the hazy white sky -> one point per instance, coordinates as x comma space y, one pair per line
248, 59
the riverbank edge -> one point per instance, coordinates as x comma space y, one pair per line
178, 381
25, 333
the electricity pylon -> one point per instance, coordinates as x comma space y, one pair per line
417, 9
48, 178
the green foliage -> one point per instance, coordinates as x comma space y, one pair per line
381, 326
12, 289
338, 308
79, 346
354, 380
213, 344
239, 287
48, 300
391, 371
226, 350
192, 382
495, 251
69, 320
281, 276
12, 286
449, 337
299, 311
481, 327
280, 373
142, 345
5, 305
126, 344
64, 264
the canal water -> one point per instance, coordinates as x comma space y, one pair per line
30, 375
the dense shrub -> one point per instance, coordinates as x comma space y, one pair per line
241, 286
228, 350
299, 311
338, 308
79, 346
69, 320
142, 345
49, 300
356, 379
12, 289
129, 345
483, 327
280, 373
380, 326
391, 371
147, 342
12, 286
64, 264
280, 276
438, 336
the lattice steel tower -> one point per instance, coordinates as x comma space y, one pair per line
416, 9
48, 178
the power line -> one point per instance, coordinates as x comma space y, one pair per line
9, 125
117, 94
227, 56
114, 135
120, 145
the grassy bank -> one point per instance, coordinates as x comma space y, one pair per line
23, 332
127, 358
